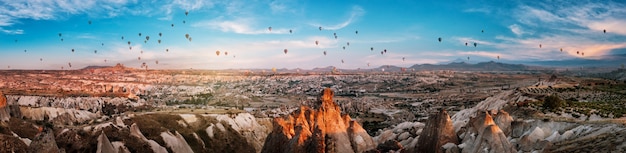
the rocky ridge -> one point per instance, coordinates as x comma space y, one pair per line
323, 129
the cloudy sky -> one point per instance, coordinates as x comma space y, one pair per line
42, 34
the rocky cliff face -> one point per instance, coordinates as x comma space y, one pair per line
4, 109
438, 132
323, 129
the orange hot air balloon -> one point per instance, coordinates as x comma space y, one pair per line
217, 53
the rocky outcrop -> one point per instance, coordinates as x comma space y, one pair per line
483, 134
323, 129
44, 142
104, 145
4, 109
438, 132
10, 143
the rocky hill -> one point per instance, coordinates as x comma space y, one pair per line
323, 129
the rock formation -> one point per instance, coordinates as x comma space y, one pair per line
438, 132
44, 142
483, 134
323, 129
4, 108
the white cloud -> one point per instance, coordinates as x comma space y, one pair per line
355, 13
239, 26
477, 10
516, 29
12, 32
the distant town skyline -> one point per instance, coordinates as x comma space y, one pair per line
183, 34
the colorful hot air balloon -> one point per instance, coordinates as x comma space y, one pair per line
217, 53
317, 42
285, 51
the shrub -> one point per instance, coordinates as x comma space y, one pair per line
552, 102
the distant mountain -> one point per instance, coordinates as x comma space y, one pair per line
614, 60
462, 66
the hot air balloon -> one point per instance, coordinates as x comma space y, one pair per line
159, 41
145, 41
89, 22
186, 13
475, 44
381, 52
160, 34
335, 37
60, 34
269, 28
290, 31
102, 44
334, 34
189, 39
172, 25
139, 58
184, 21
122, 37
157, 61
24, 50
348, 43
140, 34
130, 47
95, 51
274, 69
61, 39
342, 61
72, 50
105, 60
482, 31
561, 49
141, 52
371, 48
217, 53
498, 57
167, 50
285, 51
147, 37
385, 50
539, 45
344, 47
439, 39
465, 43
317, 42
582, 53
41, 59
320, 28
577, 52
604, 30
69, 64
187, 36
402, 58
225, 53
128, 42
324, 53
357, 32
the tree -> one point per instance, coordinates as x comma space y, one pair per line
552, 102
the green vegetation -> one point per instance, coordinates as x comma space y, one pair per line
552, 102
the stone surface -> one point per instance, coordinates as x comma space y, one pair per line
44, 142
323, 129
438, 132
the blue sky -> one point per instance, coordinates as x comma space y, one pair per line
513, 30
